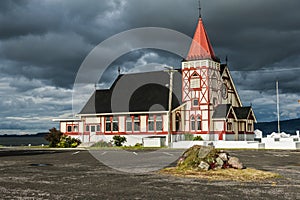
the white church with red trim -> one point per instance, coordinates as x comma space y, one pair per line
207, 104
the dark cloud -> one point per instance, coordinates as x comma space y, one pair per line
43, 43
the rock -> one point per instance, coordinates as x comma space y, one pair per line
234, 162
204, 166
204, 151
219, 163
223, 156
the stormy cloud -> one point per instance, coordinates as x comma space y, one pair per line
43, 43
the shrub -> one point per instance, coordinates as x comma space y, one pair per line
197, 138
58, 139
68, 142
119, 140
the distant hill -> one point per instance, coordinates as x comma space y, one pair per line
287, 126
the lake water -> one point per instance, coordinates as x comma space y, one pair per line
22, 141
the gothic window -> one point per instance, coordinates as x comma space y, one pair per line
178, 121
229, 126
195, 81
193, 123
214, 82
199, 123
249, 127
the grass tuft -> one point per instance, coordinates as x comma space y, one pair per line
244, 175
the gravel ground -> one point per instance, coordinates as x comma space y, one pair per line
76, 174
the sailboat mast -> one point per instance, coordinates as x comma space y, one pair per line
278, 116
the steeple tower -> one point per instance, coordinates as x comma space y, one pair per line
200, 47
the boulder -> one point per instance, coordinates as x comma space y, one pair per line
223, 156
203, 166
219, 163
204, 151
207, 157
234, 162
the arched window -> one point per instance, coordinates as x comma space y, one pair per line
178, 121
193, 123
199, 128
214, 82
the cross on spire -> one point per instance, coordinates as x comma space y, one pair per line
200, 9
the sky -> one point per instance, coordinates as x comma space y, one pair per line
44, 42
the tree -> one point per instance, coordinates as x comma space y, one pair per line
119, 140
53, 137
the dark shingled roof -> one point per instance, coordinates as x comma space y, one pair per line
242, 112
221, 111
136, 92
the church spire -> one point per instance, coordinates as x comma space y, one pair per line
200, 47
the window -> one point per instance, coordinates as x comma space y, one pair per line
229, 126
136, 123
111, 124
93, 129
195, 102
107, 124
193, 125
249, 127
75, 128
155, 123
195, 81
158, 123
87, 128
115, 124
72, 128
178, 121
198, 123
98, 128
151, 123
214, 82
128, 124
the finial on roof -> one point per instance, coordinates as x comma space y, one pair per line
119, 70
226, 59
200, 9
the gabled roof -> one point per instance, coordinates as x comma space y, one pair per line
242, 112
221, 111
136, 93
200, 47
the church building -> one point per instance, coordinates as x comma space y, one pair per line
205, 103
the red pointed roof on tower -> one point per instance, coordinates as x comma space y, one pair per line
200, 47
